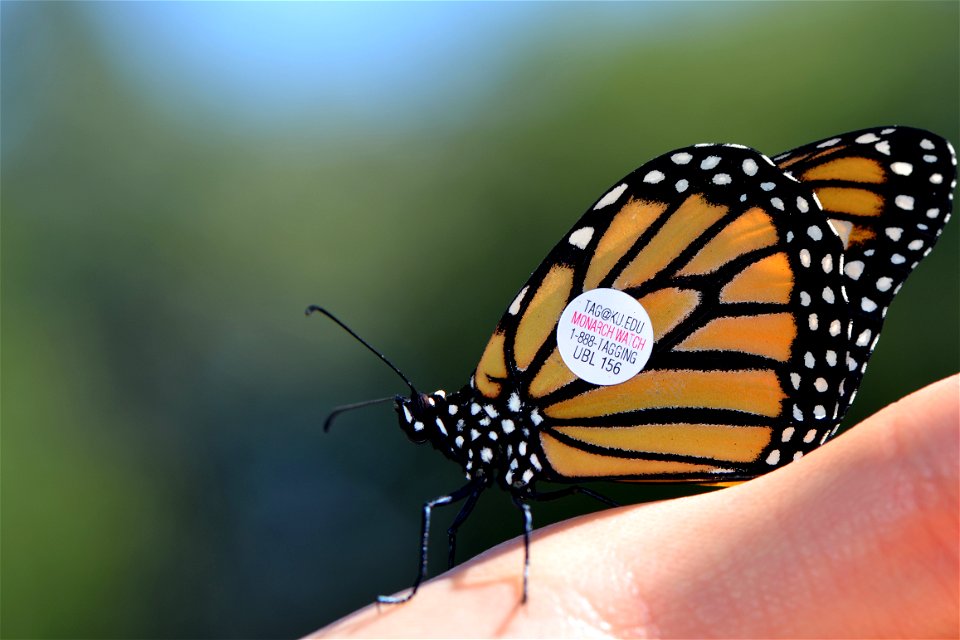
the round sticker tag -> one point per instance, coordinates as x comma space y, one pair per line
605, 336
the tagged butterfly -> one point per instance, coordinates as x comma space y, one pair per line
750, 291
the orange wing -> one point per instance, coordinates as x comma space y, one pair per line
713, 242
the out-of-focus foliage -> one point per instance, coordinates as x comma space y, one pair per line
168, 212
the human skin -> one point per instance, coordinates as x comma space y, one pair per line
858, 539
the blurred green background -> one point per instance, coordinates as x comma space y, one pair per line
180, 180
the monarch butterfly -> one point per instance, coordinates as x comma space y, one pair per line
751, 291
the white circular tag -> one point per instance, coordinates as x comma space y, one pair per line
605, 336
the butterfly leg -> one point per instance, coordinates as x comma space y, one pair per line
456, 496
527, 529
569, 491
465, 512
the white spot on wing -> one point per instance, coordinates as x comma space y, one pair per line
515, 305
611, 196
710, 162
853, 269
581, 237
902, 168
904, 202
654, 177
721, 179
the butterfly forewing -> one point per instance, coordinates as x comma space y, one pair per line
715, 243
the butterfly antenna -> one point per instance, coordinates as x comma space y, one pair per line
350, 407
315, 309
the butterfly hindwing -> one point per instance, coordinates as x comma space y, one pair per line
888, 192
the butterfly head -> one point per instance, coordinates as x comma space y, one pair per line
420, 415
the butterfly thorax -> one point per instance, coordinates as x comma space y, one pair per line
490, 440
